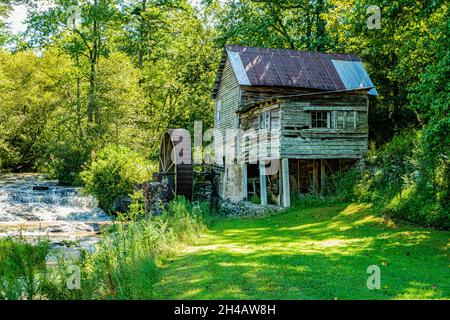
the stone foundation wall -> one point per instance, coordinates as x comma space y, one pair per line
244, 208
156, 196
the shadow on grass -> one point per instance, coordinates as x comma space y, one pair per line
319, 253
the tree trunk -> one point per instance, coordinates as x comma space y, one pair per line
93, 58
78, 104
143, 33
91, 102
320, 25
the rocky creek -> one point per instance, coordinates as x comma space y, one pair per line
33, 207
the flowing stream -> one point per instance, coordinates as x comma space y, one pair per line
33, 207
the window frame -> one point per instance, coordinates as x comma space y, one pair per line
343, 120
324, 119
334, 119
265, 120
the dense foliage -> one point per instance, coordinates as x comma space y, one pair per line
22, 268
133, 68
113, 174
125, 74
396, 178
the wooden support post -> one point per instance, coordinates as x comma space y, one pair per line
244, 182
262, 182
322, 177
315, 176
286, 189
280, 185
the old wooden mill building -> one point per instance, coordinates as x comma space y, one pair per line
313, 108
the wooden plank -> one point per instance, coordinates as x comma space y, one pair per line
323, 149
244, 182
322, 176
315, 176
318, 156
336, 108
262, 182
286, 189
280, 183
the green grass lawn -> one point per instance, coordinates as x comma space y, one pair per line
317, 253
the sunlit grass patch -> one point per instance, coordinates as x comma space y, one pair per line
355, 208
310, 253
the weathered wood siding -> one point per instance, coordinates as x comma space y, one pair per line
229, 98
256, 94
292, 135
300, 141
260, 144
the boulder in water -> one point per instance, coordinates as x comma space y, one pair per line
40, 188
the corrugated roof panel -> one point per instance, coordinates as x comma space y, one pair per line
334, 76
291, 68
353, 75
238, 67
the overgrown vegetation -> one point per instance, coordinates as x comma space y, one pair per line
114, 173
124, 76
401, 181
22, 268
124, 265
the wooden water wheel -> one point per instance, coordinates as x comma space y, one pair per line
175, 162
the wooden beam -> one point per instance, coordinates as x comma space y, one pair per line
280, 184
244, 182
286, 190
315, 176
322, 176
262, 182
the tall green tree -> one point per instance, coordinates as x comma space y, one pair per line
146, 25
395, 55
295, 24
178, 71
88, 38
430, 98
5, 10
31, 89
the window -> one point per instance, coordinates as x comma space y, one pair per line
344, 119
265, 121
320, 119
340, 120
334, 119
350, 120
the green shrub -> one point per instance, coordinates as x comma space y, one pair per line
136, 209
22, 267
113, 174
65, 161
343, 184
419, 206
309, 200
402, 180
255, 199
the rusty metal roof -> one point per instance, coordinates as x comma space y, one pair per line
289, 68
